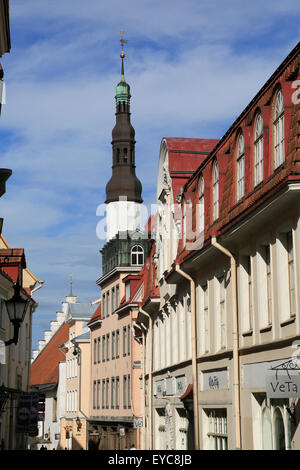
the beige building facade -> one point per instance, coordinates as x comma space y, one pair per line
222, 348
115, 409
73, 426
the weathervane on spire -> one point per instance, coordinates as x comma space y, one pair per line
122, 55
123, 41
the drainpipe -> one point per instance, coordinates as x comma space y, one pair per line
79, 356
150, 376
235, 335
143, 358
194, 355
144, 384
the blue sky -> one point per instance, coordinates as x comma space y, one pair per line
192, 65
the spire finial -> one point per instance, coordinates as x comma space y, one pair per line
122, 55
71, 282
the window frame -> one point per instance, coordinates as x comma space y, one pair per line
240, 167
215, 190
258, 149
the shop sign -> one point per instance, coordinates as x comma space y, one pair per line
159, 388
215, 380
283, 381
180, 384
137, 423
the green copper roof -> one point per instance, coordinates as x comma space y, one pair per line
122, 89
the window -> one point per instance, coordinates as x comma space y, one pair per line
94, 394
54, 409
113, 344
127, 291
215, 191
249, 271
278, 125
118, 155
201, 205
128, 391
117, 296
128, 339
103, 348
240, 166
107, 304
98, 394
112, 398
103, 306
137, 255
222, 312
107, 393
269, 283
124, 391
184, 224
95, 351
107, 347
205, 317
290, 250
124, 340
113, 300
258, 150
103, 394
117, 392
217, 429
99, 349
275, 425
117, 343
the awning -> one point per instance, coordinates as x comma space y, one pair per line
188, 394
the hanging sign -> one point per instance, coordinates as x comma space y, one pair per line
283, 380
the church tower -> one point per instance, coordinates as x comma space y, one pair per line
124, 189
126, 244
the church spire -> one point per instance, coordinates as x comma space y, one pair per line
124, 183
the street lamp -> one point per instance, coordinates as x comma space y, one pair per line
16, 308
78, 423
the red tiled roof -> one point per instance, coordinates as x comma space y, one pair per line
97, 315
44, 369
194, 145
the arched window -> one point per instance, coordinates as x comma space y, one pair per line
258, 150
201, 205
267, 439
215, 191
137, 255
240, 167
279, 430
278, 130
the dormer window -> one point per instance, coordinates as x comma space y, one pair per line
278, 130
137, 256
127, 291
258, 150
201, 205
215, 191
240, 167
